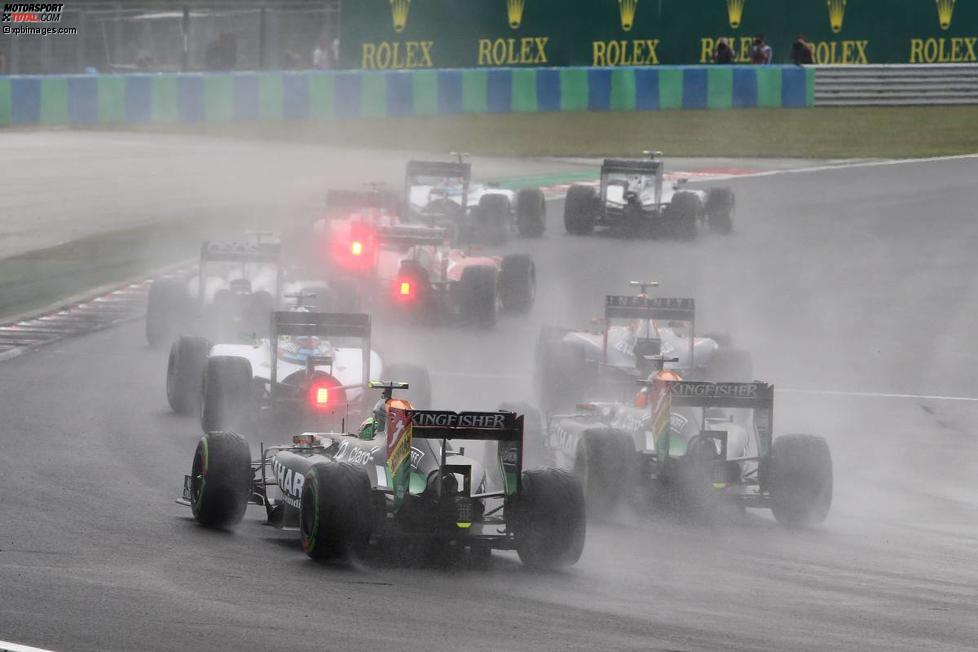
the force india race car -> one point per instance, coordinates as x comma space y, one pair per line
400, 480
312, 372
413, 267
632, 201
574, 364
694, 445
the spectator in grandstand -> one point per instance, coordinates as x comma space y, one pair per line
760, 52
321, 56
722, 52
801, 51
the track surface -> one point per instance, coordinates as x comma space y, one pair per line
851, 280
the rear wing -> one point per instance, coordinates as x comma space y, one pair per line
321, 324
504, 428
659, 308
412, 235
757, 396
450, 169
358, 199
245, 252
630, 166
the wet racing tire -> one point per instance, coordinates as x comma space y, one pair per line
227, 394
600, 463
682, 213
166, 310
185, 373
418, 380
800, 480
493, 221
479, 296
580, 206
334, 510
720, 205
550, 522
517, 282
220, 479
531, 212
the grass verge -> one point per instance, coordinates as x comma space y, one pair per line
825, 132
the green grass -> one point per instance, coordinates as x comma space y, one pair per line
826, 132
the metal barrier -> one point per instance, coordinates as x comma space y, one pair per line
896, 85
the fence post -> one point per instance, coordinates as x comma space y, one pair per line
185, 29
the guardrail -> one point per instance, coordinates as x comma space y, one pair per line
325, 95
896, 85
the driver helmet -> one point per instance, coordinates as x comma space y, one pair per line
367, 429
642, 395
380, 415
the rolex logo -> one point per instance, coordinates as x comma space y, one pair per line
837, 13
945, 11
399, 12
514, 12
627, 10
735, 11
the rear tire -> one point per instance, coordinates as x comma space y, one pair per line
531, 212
478, 296
600, 464
550, 520
800, 480
418, 380
720, 204
563, 373
580, 206
494, 218
185, 373
221, 479
517, 282
334, 510
227, 394
166, 310
682, 214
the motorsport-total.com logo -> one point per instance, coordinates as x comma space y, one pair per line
32, 12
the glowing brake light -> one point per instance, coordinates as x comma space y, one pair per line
322, 395
356, 248
405, 288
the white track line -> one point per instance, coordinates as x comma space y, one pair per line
16, 647
929, 397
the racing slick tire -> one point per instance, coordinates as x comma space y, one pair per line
600, 463
334, 510
731, 365
479, 295
493, 218
682, 214
531, 212
185, 373
800, 480
534, 451
562, 373
166, 309
220, 479
418, 380
720, 205
227, 394
580, 206
550, 520
517, 282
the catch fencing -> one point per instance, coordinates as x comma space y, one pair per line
324, 95
896, 85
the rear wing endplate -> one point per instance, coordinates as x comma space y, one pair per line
660, 308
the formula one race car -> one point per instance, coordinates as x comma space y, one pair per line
694, 445
399, 481
311, 372
413, 267
574, 364
442, 194
632, 201
235, 289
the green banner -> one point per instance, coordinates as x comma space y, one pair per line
409, 34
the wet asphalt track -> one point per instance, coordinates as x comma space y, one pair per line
858, 280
